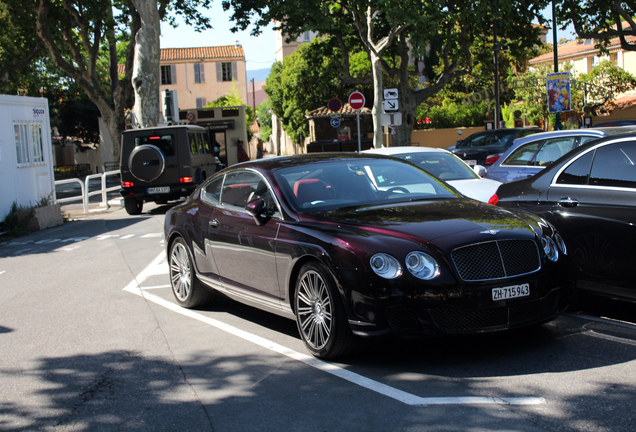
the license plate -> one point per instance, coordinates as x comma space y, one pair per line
510, 292
471, 162
161, 189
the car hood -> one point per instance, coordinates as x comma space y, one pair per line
459, 221
479, 189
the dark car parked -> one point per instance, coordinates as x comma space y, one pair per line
363, 245
484, 148
161, 164
590, 196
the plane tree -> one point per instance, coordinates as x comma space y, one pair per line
601, 20
77, 35
430, 39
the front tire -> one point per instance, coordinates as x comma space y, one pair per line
188, 291
320, 315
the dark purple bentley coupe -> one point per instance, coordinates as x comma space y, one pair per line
354, 245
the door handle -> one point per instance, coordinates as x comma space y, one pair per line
568, 202
214, 223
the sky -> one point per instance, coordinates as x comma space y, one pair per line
260, 52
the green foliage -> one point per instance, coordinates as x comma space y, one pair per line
610, 76
17, 222
264, 118
306, 80
450, 114
233, 99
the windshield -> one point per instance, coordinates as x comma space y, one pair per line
487, 139
441, 164
332, 184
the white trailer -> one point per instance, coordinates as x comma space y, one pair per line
26, 156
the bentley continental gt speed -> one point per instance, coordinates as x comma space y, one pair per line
351, 245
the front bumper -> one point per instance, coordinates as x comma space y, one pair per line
470, 313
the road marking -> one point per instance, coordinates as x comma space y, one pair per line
160, 266
3, 271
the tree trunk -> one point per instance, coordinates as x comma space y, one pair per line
146, 70
376, 66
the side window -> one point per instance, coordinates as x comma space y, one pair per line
206, 143
194, 145
212, 192
576, 173
523, 155
553, 149
615, 165
238, 187
587, 139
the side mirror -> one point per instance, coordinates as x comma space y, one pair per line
256, 209
459, 132
480, 170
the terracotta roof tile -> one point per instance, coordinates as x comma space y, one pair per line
326, 112
202, 53
578, 47
625, 101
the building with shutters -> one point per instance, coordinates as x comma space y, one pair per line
203, 74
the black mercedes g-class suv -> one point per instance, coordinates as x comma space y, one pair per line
164, 163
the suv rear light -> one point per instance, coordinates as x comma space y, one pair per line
493, 200
491, 159
127, 184
186, 179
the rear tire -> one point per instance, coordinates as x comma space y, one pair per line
188, 291
133, 206
320, 314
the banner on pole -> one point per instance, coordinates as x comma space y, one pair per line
558, 90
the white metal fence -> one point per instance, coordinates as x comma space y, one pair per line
86, 193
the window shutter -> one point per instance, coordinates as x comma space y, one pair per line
202, 72
234, 72
173, 74
219, 72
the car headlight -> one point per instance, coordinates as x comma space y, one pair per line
560, 243
386, 266
550, 248
422, 265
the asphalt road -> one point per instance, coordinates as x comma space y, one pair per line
92, 340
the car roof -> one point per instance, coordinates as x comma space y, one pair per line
595, 132
274, 163
405, 149
164, 128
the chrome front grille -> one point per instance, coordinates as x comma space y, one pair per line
496, 259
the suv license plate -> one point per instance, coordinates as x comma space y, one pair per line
162, 189
509, 292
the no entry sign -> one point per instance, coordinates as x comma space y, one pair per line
356, 100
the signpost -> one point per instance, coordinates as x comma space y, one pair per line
356, 102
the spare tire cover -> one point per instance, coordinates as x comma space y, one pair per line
146, 162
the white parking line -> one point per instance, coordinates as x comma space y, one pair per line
3, 271
159, 266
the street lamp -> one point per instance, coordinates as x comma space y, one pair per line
555, 42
